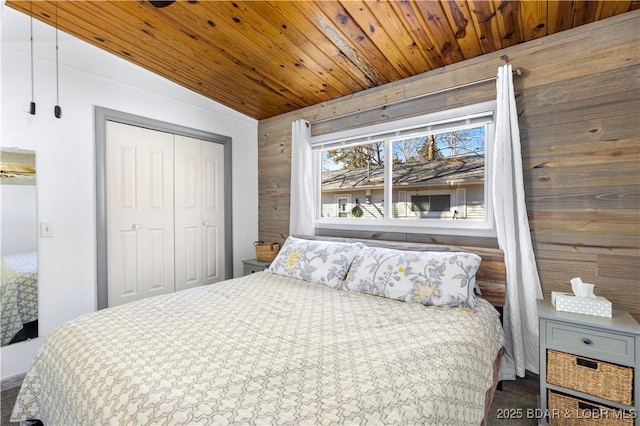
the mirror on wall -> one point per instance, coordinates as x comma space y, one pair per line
18, 246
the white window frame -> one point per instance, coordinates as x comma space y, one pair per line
468, 227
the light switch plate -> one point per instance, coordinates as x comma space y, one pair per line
46, 230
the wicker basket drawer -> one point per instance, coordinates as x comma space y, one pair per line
565, 410
602, 379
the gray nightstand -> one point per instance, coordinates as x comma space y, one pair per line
583, 361
254, 265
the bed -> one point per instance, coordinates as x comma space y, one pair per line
19, 293
302, 345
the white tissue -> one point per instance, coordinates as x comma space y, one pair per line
581, 289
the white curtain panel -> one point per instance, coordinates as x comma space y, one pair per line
301, 211
514, 237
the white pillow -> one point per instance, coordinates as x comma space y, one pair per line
431, 278
322, 262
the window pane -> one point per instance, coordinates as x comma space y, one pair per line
420, 203
440, 176
435, 176
440, 203
353, 181
430, 203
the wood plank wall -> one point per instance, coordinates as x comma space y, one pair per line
579, 108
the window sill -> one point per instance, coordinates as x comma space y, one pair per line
462, 227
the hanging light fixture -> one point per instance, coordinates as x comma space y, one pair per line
160, 3
32, 106
57, 111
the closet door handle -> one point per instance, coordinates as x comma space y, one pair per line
136, 226
205, 223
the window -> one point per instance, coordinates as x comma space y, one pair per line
426, 174
343, 203
431, 204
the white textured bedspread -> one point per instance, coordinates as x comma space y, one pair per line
264, 349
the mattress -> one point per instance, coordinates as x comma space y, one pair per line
19, 292
266, 349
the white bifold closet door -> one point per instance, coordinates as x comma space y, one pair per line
199, 212
165, 212
140, 229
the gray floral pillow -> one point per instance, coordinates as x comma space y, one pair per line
431, 278
316, 261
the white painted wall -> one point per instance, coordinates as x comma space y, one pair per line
65, 151
18, 219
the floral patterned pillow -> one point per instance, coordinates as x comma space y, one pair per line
316, 261
431, 278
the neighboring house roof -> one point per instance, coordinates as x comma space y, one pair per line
460, 170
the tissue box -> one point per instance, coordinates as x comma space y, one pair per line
567, 302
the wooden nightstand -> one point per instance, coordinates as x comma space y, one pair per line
254, 265
589, 367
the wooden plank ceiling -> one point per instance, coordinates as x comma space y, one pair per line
265, 58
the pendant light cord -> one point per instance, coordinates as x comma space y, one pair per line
31, 37
57, 79
57, 111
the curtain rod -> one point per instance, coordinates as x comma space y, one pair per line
517, 72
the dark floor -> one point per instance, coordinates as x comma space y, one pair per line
515, 405
7, 399
530, 380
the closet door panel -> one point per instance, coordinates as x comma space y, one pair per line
158, 212
139, 213
188, 212
128, 173
160, 267
199, 201
213, 212
128, 275
192, 258
211, 250
159, 177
